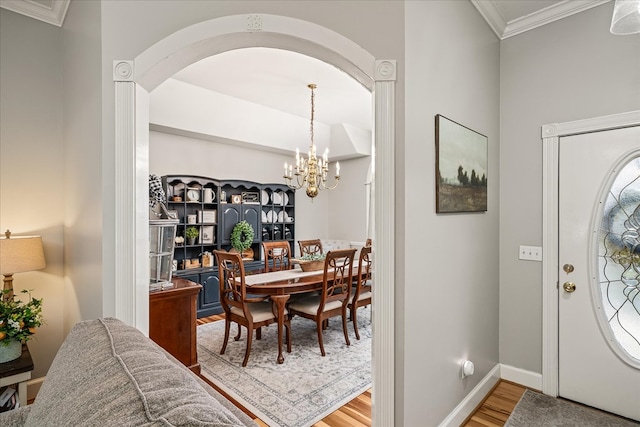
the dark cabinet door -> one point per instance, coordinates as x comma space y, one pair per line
231, 215
251, 214
209, 301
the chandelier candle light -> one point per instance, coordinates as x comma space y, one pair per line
311, 171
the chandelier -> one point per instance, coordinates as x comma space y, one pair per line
310, 172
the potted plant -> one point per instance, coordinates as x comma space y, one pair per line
311, 262
18, 322
191, 233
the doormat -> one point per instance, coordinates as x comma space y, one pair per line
539, 410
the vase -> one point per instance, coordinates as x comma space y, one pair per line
10, 350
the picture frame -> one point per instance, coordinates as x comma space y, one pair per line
461, 167
236, 199
207, 236
172, 214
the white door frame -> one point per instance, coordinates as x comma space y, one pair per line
134, 79
551, 135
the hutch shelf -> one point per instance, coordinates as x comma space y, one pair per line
213, 207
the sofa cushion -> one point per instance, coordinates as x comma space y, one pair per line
108, 373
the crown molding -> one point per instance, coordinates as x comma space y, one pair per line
53, 14
491, 13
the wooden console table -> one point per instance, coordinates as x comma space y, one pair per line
172, 321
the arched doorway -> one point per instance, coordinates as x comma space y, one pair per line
134, 79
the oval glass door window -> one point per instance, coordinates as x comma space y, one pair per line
617, 287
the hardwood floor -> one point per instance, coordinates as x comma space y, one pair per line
496, 408
493, 412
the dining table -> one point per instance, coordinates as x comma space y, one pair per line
280, 285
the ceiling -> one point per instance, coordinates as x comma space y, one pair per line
278, 79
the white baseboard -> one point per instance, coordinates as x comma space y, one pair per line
473, 399
33, 387
528, 379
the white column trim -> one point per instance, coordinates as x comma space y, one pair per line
384, 245
551, 135
124, 305
131, 250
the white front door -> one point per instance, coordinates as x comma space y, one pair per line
599, 253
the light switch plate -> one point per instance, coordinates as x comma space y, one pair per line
530, 253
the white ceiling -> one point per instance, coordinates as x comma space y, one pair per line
278, 79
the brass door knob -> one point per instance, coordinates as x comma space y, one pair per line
568, 268
569, 287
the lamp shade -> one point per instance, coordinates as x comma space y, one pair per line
626, 17
21, 253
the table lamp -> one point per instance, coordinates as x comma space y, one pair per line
18, 255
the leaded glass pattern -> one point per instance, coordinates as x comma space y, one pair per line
619, 259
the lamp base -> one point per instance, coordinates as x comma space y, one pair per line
8, 286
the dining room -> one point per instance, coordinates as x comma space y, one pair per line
185, 140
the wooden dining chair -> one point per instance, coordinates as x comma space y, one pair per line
248, 311
334, 296
310, 247
361, 293
277, 256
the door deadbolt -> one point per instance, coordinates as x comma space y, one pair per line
569, 286
568, 268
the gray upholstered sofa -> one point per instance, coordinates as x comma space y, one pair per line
109, 374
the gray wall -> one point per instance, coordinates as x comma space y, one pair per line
451, 286
31, 159
567, 70
83, 198
347, 213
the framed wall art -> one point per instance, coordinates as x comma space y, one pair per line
206, 235
461, 168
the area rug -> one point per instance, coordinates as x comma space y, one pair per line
306, 387
539, 410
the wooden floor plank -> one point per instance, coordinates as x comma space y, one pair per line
496, 408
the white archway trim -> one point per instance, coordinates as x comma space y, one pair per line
133, 81
551, 135
383, 347
201, 40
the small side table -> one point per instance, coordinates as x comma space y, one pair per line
18, 372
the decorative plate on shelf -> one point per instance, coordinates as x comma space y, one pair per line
285, 199
281, 216
264, 216
265, 197
277, 198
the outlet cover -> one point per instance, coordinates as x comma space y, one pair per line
530, 253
